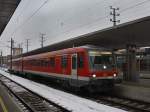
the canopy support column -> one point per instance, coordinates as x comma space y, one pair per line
132, 74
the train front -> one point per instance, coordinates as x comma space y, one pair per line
102, 70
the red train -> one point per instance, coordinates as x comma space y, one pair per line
82, 67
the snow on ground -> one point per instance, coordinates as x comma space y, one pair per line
66, 100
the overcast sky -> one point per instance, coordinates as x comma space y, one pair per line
63, 19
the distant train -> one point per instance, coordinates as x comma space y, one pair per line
82, 67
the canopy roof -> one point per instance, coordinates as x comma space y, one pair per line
134, 32
7, 8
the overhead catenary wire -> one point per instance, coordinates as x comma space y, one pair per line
96, 20
133, 6
30, 17
107, 16
101, 18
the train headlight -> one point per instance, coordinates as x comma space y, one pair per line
94, 75
115, 74
104, 66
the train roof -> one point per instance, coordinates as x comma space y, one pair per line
92, 47
46, 50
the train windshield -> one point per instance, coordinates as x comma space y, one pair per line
100, 60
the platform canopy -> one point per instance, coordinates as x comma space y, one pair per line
135, 32
7, 8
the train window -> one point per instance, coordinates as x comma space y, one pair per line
74, 64
99, 62
52, 62
64, 61
34, 63
46, 63
31, 62
37, 63
80, 61
42, 63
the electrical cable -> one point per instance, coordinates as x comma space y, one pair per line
30, 17
138, 4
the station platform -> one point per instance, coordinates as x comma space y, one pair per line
139, 91
145, 74
7, 101
66, 100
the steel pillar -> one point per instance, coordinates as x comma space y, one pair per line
131, 74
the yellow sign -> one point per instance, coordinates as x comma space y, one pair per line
3, 105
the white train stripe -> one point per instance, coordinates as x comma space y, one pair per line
66, 76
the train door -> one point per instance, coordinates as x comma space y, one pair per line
74, 67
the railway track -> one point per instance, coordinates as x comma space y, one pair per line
121, 103
114, 101
29, 101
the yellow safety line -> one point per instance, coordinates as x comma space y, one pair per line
3, 105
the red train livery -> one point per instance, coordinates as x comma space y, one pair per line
88, 67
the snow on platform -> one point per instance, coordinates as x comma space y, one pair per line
66, 100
